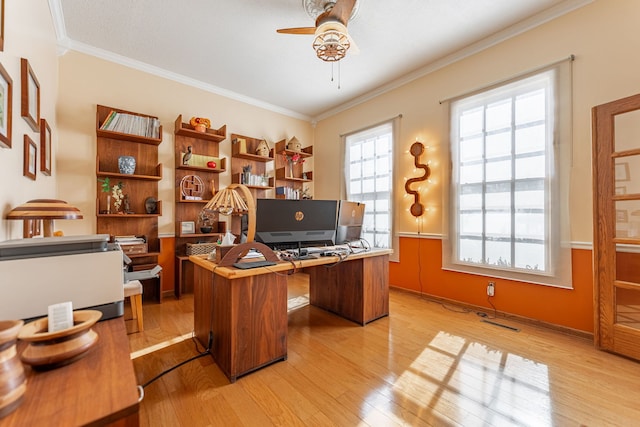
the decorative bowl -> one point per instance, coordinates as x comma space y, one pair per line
48, 350
13, 382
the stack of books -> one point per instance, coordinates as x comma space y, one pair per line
148, 127
132, 245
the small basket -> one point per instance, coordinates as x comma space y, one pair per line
200, 248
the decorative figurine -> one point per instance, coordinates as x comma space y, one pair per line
187, 156
262, 149
294, 145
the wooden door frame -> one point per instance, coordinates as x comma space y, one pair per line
604, 155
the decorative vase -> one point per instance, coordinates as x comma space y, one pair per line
290, 169
200, 127
14, 382
127, 164
107, 207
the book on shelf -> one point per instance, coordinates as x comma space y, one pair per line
130, 239
148, 127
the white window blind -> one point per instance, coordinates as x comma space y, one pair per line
369, 179
510, 157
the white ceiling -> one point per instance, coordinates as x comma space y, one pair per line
232, 48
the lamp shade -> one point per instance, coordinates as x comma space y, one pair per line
45, 210
228, 202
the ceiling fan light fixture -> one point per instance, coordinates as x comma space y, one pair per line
331, 42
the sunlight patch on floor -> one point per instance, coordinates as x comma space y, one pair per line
478, 382
160, 346
297, 302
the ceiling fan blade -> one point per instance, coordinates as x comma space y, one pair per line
341, 11
299, 30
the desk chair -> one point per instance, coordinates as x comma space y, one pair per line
133, 290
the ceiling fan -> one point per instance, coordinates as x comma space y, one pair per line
331, 40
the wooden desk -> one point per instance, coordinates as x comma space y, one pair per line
98, 390
246, 310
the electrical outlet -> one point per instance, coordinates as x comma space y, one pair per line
491, 289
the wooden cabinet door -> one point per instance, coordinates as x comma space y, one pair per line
616, 240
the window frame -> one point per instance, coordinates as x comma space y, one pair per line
555, 181
359, 137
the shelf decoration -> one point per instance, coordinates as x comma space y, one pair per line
294, 144
262, 149
106, 188
118, 197
291, 160
191, 187
127, 165
187, 156
200, 124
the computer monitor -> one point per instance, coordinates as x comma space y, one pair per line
350, 219
288, 224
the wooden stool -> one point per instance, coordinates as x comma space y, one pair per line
133, 290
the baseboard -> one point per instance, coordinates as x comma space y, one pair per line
504, 315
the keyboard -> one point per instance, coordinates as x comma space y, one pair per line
253, 264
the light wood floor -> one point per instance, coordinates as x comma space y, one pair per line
423, 365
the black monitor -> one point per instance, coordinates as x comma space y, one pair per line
350, 219
288, 224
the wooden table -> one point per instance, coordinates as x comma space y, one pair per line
244, 312
98, 390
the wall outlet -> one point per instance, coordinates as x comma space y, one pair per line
491, 289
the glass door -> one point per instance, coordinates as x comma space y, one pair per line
616, 171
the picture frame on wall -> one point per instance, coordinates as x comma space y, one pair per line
1, 25
30, 158
30, 95
6, 101
45, 147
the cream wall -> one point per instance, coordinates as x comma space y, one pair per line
28, 34
86, 81
602, 35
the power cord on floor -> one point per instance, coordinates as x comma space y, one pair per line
184, 362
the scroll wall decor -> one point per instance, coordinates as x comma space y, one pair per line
416, 150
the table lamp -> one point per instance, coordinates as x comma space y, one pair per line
229, 202
44, 211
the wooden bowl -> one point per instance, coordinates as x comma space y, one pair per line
48, 350
13, 382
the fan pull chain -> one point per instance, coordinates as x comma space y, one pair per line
338, 74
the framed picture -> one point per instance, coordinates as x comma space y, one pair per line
622, 215
45, 147
30, 158
187, 227
1, 25
6, 100
30, 95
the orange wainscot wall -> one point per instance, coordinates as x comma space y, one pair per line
420, 270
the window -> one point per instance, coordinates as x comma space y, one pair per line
508, 175
369, 179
